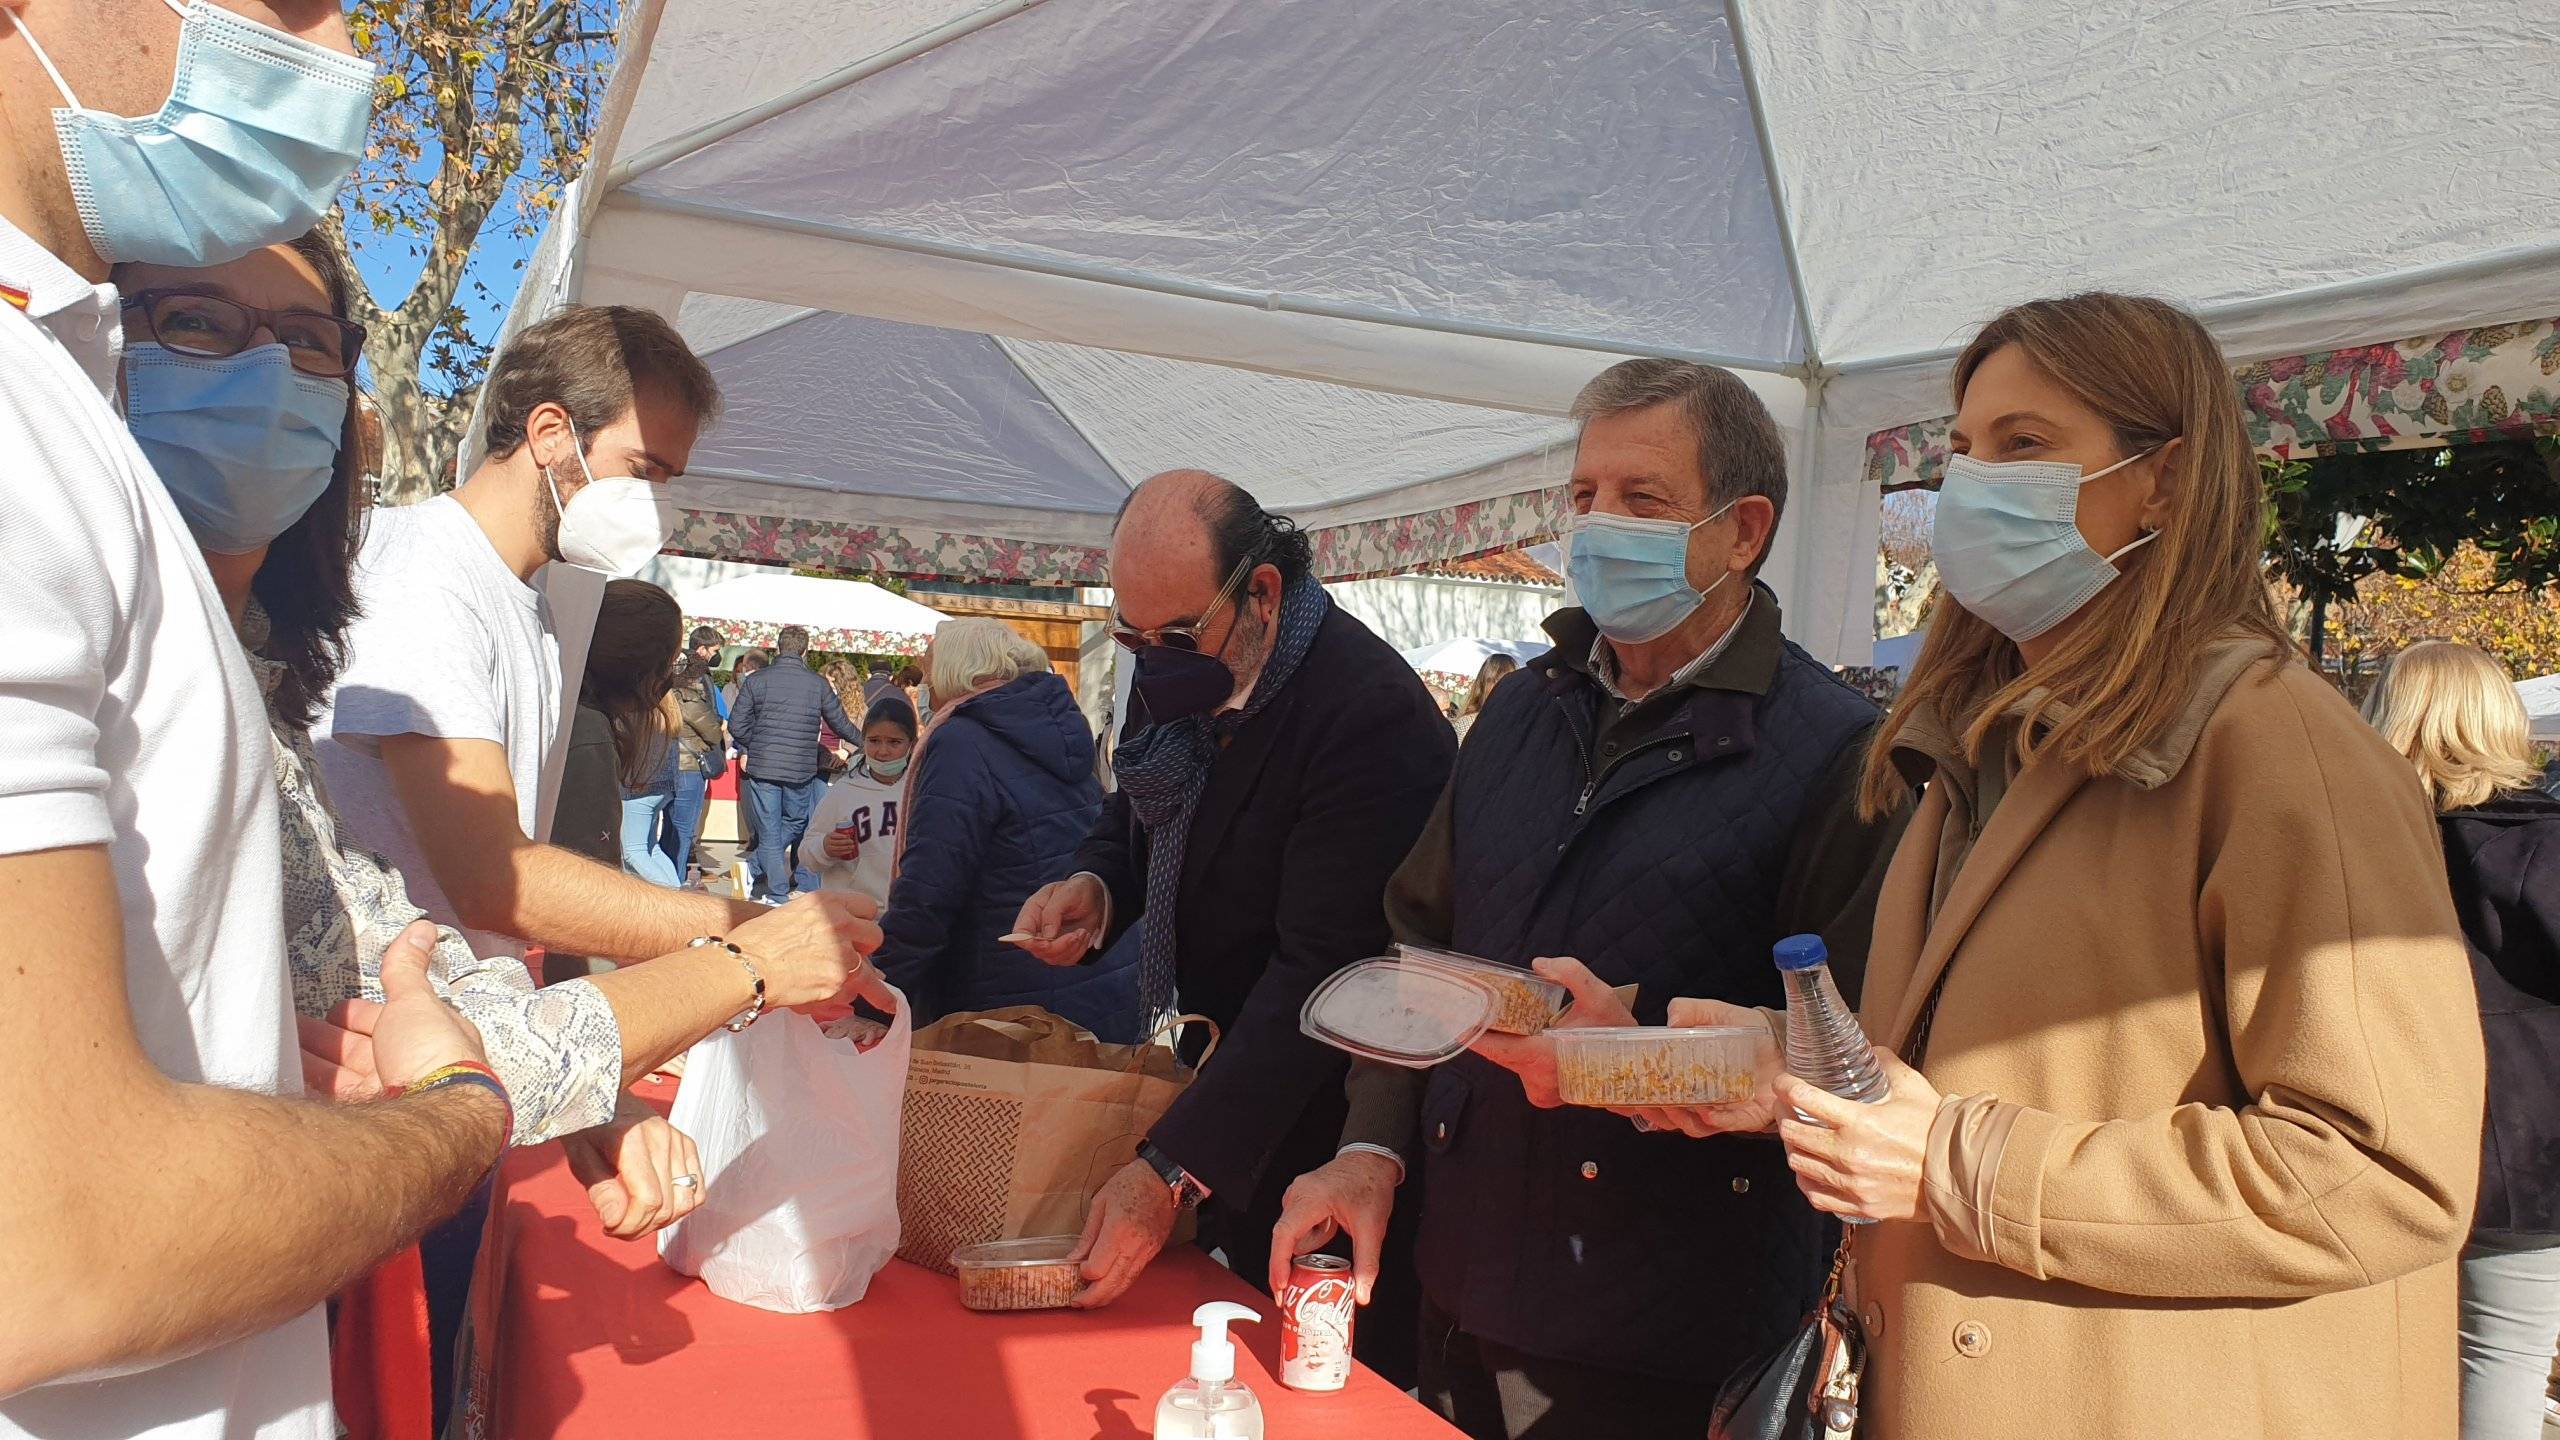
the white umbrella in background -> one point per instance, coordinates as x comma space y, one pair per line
2541, 697
842, 615
1450, 666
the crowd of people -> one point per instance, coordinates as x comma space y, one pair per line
2219, 1020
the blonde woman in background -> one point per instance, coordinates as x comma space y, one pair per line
999, 796
1488, 675
2454, 713
2191, 1133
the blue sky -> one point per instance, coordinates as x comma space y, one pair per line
390, 270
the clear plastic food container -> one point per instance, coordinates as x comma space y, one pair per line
1029, 1274
1410, 1013
1524, 1002
1658, 1065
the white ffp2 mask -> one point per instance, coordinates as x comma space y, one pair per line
613, 525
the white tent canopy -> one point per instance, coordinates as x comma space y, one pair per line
969, 269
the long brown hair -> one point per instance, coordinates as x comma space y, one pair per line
631, 672
1488, 675
2119, 679
307, 582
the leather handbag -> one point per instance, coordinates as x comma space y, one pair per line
1806, 1389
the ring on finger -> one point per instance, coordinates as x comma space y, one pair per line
688, 1182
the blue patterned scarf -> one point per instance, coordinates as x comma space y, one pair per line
1163, 769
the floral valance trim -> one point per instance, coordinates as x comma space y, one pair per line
1445, 686
2489, 380
883, 550
1461, 532
842, 642
1371, 548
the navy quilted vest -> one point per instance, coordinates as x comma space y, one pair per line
1567, 1233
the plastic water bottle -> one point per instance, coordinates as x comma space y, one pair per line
1824, 1044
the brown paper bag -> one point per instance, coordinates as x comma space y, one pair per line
1014, 1119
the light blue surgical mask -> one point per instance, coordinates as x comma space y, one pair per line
259, 130
1632, 574
2008, 545
244, 443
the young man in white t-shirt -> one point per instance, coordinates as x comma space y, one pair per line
434, 737
175, 1211
433, 740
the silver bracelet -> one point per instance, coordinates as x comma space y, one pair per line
755, 1008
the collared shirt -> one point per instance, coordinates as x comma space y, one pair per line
82, 320
1750, 671
134, 724
1604, 660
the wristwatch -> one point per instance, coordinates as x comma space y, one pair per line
755, 1008
1188, 1192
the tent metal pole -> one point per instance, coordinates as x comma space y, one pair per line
1776, 180
639, 29
1183, 289
668, 151
2473, 267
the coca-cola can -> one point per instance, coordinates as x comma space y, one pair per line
1315, 1323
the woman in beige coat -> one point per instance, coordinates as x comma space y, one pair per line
2193, 1141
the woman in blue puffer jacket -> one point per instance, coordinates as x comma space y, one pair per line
1003, 793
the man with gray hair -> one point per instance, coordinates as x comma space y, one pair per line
1665, 794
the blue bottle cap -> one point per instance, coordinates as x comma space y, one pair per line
1802, 952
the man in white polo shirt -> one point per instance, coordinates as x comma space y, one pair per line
174, 1212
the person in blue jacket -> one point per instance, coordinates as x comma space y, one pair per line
1003, 793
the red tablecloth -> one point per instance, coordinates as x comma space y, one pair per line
596, 1338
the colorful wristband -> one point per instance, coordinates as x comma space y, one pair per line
443, 1073
465, 1072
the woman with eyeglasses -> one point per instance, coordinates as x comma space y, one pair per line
239, 385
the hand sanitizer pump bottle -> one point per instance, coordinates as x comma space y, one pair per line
1211, 1405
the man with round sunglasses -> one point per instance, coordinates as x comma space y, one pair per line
1279, 762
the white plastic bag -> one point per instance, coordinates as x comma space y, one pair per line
799, 1138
